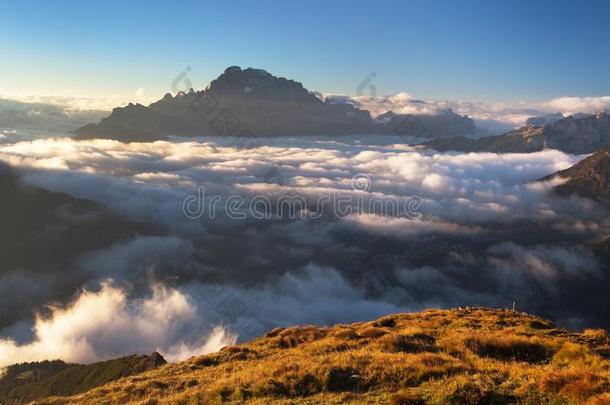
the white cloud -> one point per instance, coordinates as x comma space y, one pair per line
178, 323
495, 116
315, 295
83, 103
151, 179
572, 105
105, 324
408, 227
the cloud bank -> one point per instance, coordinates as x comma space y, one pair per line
26, 120
495, 117
485, 233
105, 324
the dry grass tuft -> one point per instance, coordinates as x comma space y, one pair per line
576, 384
415, 343
292, 337
510, 348
372, 332
405, 398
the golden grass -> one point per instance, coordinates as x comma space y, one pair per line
465, 356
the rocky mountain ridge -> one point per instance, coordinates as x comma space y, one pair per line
574, 134
254, 103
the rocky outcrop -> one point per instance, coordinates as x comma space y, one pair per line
588, 178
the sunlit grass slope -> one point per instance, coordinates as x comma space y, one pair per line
460, 356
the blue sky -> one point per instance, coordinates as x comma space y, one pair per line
474, 50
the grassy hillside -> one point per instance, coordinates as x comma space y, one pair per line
27, 382
461, 356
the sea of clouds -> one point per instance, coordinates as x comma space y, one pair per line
483, 231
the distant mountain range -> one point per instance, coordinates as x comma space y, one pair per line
578, 134
443, 124
253, 102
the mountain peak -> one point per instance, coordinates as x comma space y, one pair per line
253, 83
233, 69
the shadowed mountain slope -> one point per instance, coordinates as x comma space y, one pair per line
588, 178
27, 382
43, 232
56, 226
